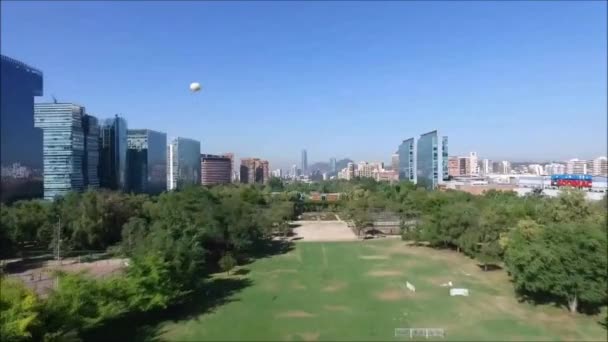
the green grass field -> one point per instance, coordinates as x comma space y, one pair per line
353, 291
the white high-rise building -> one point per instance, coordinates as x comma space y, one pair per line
536, 169
277, 173
486, 167
183, 163
576, 167
600, 166
505, 167
555, 169
474, 164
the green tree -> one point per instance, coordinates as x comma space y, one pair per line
20, 308
565, 260
227, 262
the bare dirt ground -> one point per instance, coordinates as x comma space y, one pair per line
42, 278
323, 231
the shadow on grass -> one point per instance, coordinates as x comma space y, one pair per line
266, 249
584, 308
148, 326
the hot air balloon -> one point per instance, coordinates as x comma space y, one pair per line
195, 86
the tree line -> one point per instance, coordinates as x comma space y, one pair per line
173, 241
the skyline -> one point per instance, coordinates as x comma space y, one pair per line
363, 79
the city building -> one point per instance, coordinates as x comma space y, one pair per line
386, 175
254, 170
576, 166
294, 172
431, 160
278, 173
350, 171
554, 169
20, 141
473, 169
183, 163
332, 165
487, 167
147, 161
503, 167
304, 162
113, 153
536, 169
464, 166
395, 162
215, 169
90, 127
68, 148
600, 166
454, 166
233, 173
407, 160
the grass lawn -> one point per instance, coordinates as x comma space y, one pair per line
353, 291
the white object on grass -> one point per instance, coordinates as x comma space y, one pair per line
459, 292
449, 283
410, 286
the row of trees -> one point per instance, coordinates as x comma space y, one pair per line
174, 241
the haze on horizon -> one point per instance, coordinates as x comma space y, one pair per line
509, 80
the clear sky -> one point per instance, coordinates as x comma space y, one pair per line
516, 80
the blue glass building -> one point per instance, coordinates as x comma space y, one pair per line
431, 160
20, 140
68, 147
147, 161
183, 163
407, 160
113, 153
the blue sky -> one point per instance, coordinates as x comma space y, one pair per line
515, 80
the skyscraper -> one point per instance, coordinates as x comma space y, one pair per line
20, 140
431, 160
215, 169
332, 165
147, 161
407, 160
486, 167
69, 148
183, 163
113, 153
395, 162
304, 162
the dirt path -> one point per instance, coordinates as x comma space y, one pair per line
323, 231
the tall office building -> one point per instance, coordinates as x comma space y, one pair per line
576, 166
294, 171
183, 163
407, 160
304, 162
68, 148
215, 169
233, 176
332, 165
113, 153
464, 166
395, 161
90, 127
147, 161
600, 166
431, 160
350, 171
254, 170
555, 169
20, 140
504, 167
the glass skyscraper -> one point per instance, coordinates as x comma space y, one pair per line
407, 160
431, 160
147, 161
68, 147
304, 162
20, 140
183, 163
113, 153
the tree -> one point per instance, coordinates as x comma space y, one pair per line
227, 262
565, 260
20, 309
